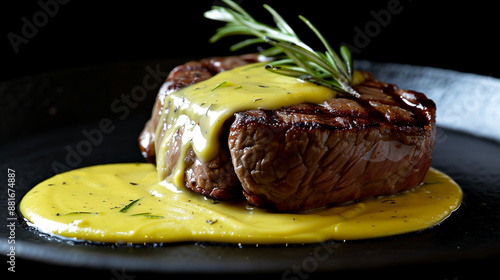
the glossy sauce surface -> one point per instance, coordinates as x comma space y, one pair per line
125, 203
200, 110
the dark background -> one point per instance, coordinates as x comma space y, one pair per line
459, 35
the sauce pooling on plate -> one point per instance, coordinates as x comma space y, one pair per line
125, 203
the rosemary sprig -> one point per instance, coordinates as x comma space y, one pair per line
325, 69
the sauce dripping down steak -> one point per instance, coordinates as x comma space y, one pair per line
309, 155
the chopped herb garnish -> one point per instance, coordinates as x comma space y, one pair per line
209, 107
219, 85
154, 216
148, 215
141, 214
211, 222
124, 209
77, 212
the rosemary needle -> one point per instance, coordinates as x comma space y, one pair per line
125, 209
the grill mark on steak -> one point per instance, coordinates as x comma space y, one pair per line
310, 155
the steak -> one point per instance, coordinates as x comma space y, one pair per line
309, 155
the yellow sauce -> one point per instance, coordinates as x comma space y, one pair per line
125, 203
200, 110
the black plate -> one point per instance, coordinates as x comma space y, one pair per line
48, 119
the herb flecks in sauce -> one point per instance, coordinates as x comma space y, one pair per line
197, 113
163, 215
125, 209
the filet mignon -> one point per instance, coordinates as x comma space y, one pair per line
309, 155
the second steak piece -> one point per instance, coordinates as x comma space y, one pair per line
307, 156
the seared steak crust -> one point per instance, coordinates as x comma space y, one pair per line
312, 155
308, 156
